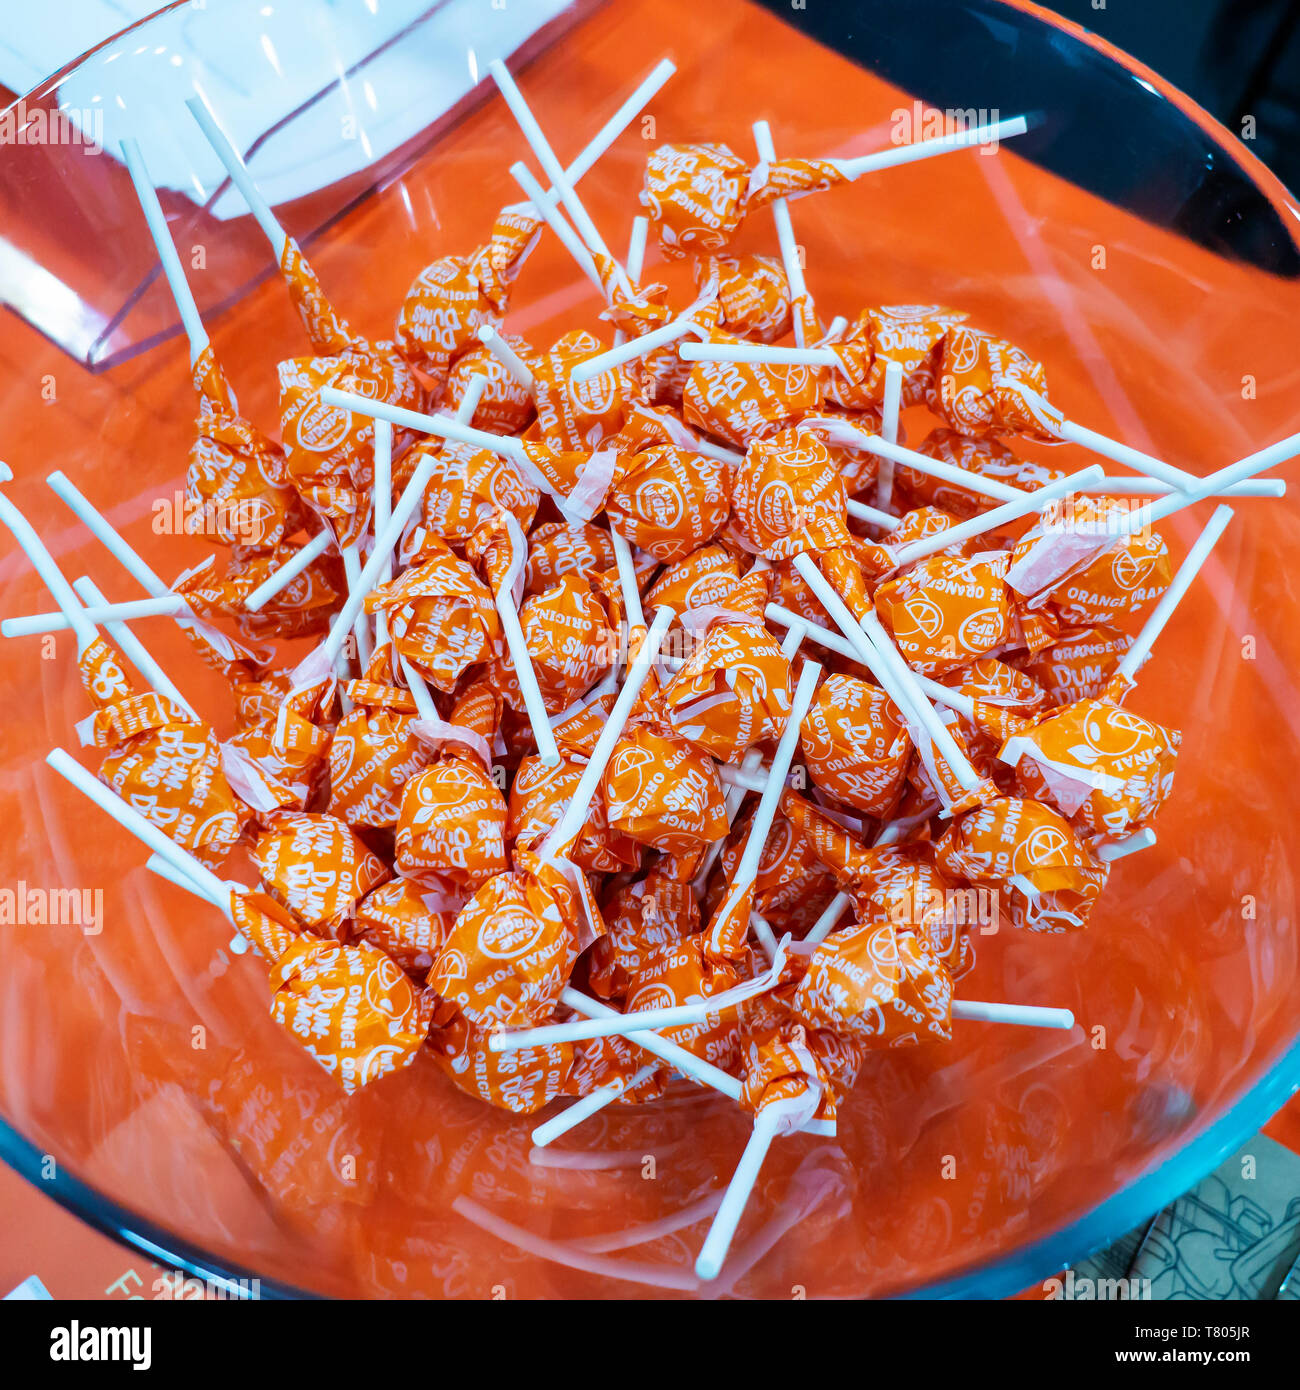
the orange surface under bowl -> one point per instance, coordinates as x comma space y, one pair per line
141, 1058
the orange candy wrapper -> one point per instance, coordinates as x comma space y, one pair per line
521, 1081
376, 750
1104, 767
743, 401
976, 386
753, 295
855, 744
317, 866
454, 297
398, 919
451, 830
733, 692
662, 791
640, 918
538, 796
789, 497
514, 946
698, 195
161, 760
350, 1006
440, 613
877, 984
909, 334
1078, 664
1048, 877
505, 407
330, 451
237, 478
669, 502
571, 639
468, 488
945, 613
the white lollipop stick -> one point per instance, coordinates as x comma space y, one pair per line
166, 248
840, 432
677, 1057
784, 229
888, 667
51, 576
989, 133
1249, 467
1172, 596
1024, 1015
381, 508
1121, 849
507, 356
32, 623
765, 812
132, 648
444, 426
580, 1030
239, 175
573, 1115
758, 354
566, 830
815, 632
555, 171
280, 579
635, 261
1108, 448
890, 407
351, 574
144, 830
627, 580
831, 914
164, 868
569, 239
534, 704
1153, 487
989, 521
764, 934
863, 512
768, 1123
385, 541
630, 350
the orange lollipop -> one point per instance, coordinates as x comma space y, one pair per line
398, 919
977, 386
453, 817
753, 295
669, 501
318, 867
237, 479
514, 945
440, 614
452, 298
1030, 853
351, 1007
376, 750
664, 792
161, 759
855, 744
733, 692
468, 487
788, 497
640, 918
1104, 767
521, 1081
698, 195
945, 612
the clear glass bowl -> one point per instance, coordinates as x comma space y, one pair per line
1128, 242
